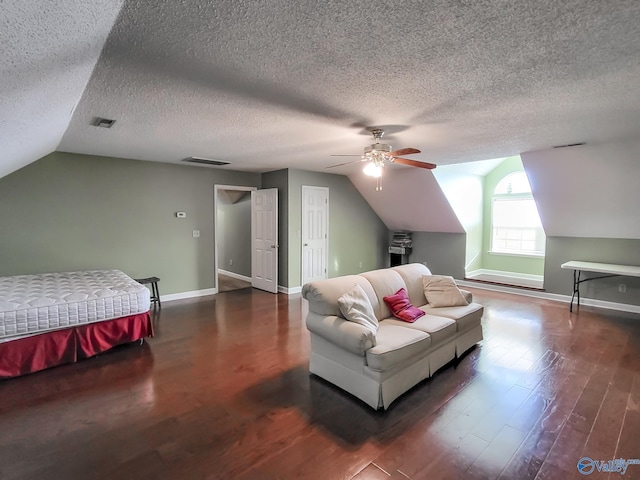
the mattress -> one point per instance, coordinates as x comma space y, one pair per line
31, 304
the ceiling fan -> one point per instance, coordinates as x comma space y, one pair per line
379, 154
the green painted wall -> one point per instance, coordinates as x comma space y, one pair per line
494, 261
234, 235
78, 212
443, 253
356, 233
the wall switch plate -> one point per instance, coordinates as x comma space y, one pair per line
196, 234
231, 261
622, 288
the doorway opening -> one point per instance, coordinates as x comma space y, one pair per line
232, 237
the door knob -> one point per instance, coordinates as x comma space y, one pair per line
306, 244
275, 246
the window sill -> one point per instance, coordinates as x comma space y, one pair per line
519, 255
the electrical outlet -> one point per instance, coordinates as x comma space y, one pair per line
196, 234
231, 261
622, 288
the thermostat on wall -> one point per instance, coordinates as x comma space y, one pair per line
181, 214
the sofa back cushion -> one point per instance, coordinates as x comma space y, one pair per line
385, 282
323, 295
412, 275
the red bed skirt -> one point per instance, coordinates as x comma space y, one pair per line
32, 354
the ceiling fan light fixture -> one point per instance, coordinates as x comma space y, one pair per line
378, 154
372, 170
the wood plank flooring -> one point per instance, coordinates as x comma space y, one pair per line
223, 391
227, 283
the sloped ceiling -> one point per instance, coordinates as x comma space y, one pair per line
587, 191
411, 199
270, 85
47, 53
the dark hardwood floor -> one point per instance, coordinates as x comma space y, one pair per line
223, 391
227, 283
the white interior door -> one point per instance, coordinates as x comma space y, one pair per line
315, 233
264, 241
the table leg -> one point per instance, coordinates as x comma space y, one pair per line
576, 289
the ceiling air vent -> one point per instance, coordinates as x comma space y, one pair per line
205, 161
103, 122
570, 145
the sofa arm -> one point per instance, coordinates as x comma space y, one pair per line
467, 295
348, 335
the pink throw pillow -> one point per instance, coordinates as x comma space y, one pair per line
399, 305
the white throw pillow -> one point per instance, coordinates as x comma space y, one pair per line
356, 307
442, 291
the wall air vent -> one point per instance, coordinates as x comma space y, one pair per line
570, 145
205, 161
103, 122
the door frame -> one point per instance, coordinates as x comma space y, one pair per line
326, 242
216, 189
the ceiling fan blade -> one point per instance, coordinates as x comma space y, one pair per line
403, 151
345, 163
413, 163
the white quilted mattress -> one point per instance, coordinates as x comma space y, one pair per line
31, 304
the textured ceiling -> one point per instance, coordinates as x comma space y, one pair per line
47, 53
267, 85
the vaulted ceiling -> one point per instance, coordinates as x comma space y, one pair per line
267, 85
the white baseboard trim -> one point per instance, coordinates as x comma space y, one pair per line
237, 276
289, 291
214, 291
191, 294
622, 307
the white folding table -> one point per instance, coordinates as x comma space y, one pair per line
610, 269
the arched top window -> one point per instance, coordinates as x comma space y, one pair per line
516, 226
514, 183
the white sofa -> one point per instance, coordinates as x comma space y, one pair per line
378, 368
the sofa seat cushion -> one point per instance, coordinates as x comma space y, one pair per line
396, 344
439, 328
466, 317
